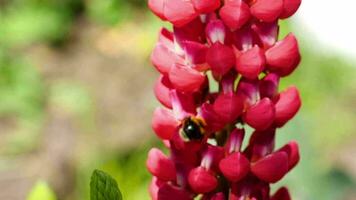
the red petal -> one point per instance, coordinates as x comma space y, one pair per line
267, 32
162, 90
287, 105
284, 56
235, 166
235, 14
292, 150
164, 123
171, 192
186, 79
215, 31
271, 168
179, 12
202, 180
269, 86
267, 10
282, 194
206, 6
157, 7
160, 166
290, 7
251, 63
261, 115
221, 58
228, 107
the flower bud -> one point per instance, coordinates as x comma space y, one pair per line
267, 10
284, 56
215, 31
221, 58
234, 142
171, 192
234, 166
287, 105
235, 13
164, 123
289, 8
261, 115
269, 86
160, 166
206, 6
154, 187
272, 167
157, 7
266, 32
251, 63
292, 150
281, 194
202, 180
179, 12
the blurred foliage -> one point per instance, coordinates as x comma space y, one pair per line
41, 191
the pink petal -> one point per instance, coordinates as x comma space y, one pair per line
195, 52
157, 7
212, 156
234, 142
193, 31
202, 180
287, 105
261, 115
213, 121
206, 6
162, 58
186, 79
271, 168
235, 14
269, 86
162, 90
249, 91
292, 150
183, 104
244, 38
289, 8
179, 12
267, 10
164, 123
284, 56
221, 58
251, 63
215, 31
170, 192
228, 107
281, 194
160, 166
267, 32
235, 166
154, 187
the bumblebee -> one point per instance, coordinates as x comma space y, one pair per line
193, 129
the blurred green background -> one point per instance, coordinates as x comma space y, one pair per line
76, 94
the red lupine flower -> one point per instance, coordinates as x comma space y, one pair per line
235, 41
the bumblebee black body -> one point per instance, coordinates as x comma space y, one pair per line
193, 129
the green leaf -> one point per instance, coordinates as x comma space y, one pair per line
103, 187
41, 191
